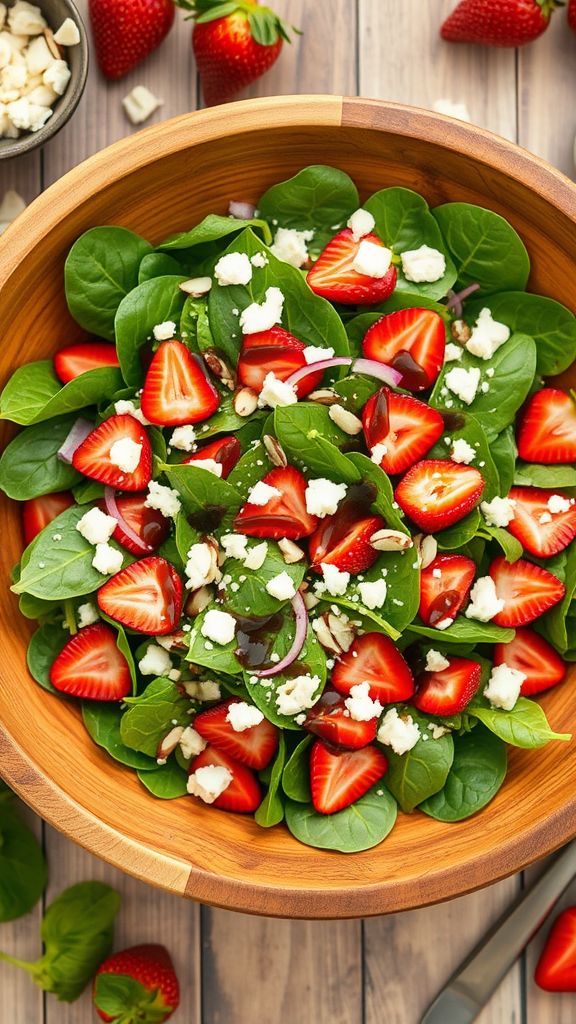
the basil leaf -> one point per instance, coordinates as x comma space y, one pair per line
296, 774
23, 872
214, 228
307, 439
101, 268
422, 771
34, 393
148, 304
151, 716
465, 631
167, 782
359, 827
158, 264
485, 248
477, 772
44, 647
271, 810
549, 477
404, 222
102, 723
318, 198
29, 465
552, 326
525, 726
469, 429
117, 995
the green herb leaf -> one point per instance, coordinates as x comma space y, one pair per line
148, 304
359, 827
307, 435
477, 772
550, 477
552, 326
151, 716
34, 393
45, 645
30, 467
465, 631
214, 228
23, 873
271, 810
296, 774
167, 782
525, 726
422, 771
318, 198
102, 723
485, 248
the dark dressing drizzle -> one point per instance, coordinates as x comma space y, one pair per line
255, 637
208, 519
414, 378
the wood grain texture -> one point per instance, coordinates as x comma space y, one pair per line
546, 89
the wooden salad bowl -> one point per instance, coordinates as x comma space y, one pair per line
157, 182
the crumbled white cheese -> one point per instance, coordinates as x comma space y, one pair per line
205, 689
504, 687
243, 716
198, 568
296, 695
484, 604
323, 496
437, 730
25, 19
487, 335
256, 557
361, 223
218, 626
38, 58
262, 493
545, 518
378, 452
107, 559
209, 465
57, 76
373, 595
234, 545
281, 587
183, 438
423, 265
558, 503
191, 743
125, 453
316, 354
68, 34
463, 383
140, 104
126, 407
452, 352
96, 527
233, 268
276, 393
436, 662
156, 661
87, 614
164, 331
335, 581
462, 452
264, 315
290, 246
27, 116
164, 499
399, 733
259, 260
209, 782
372, 260
360, 704
499, 511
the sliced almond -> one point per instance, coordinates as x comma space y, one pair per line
197, 601
460, 331
196, 286
275, 451
168, 745
220, 369
245, 402
324, 396
428, 550
310, 600
52, 45
334, 632
290, 551
344, 419
390, 540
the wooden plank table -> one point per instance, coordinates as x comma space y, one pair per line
236, 969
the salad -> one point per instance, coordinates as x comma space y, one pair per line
299, 515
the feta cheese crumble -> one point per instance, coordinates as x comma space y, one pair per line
219, 627
373, 595
164, 331
68, 34
234, 545
191, 743
361, 223
499, 511
262, 493
262, 316
281, 587
487, 335
452, 353
96, 527
276, 393
198, 568
484, 604
462, 452
335, 581
296, 695
399, 733
163, 499
209, 782
316, 354
140, 104
463, 383
360, 704
243, 716
107, 560
209, 465
256, 557
156, 661
323, 496
125, 407
423, 265
372, 260
504, 687
125, 453
378, 452
87, 614
436, 662
183, 438
234, 268
260, 260
290, 246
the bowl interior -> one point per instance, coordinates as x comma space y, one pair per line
156, 183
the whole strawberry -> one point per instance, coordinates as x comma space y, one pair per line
234, 44
572, 14
127, 31
498, 22
137, 986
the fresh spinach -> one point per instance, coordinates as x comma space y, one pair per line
460, 533
308, 435
296, 774
102, 723
45, 645
34, 393
226, 421
477, 772
383, 502
470, 430
552, 326
195, 325
201, 491
158, 264
503, 449
167, 783
148, 304
525, 726
414, 776
246, 594
271, 810
30, 467
214, 228
151, 716
318, 198
264, 692
511, 547
23, 872
360, 826
485, 248
555, 624
249, 469
550, 477
465, 631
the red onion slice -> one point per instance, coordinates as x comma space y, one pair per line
301, 619
113, 510
78, 433
243, 211
455, 299
368, 366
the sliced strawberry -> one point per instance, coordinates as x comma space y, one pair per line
339, 779
244, 793
333, 275
407, 427
531, 654
444, 587
343, 539
436, 493
448, 692
146, 596
92, 457
275, 351
330, 720
148, 523
283, 516
556, 968
547, 431
176, 390
39, 512
413, 341
74, 360
540, 531
255, 746
225, 451
374, 659
527, 591
91, 666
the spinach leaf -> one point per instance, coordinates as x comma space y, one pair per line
34, 393
384, 502
308, 437
101, 268
158, 264
29, 465
201, 491
88, 492
195, 325
511, 547
151, 716
514, 366
404, 222
460, 533
219, 658
249, 469
62, 569
226, 421
312, 662
147, 305
23, 872
212, 229
477, 772
422, 771
34, 608
102, 723
485, 247
296, 774
400, 569
465, 631
167, 782
246, 593
45, 645
552, 326
503, 449
355, 391
318, 198
306, 315
525, 726
553, 477
554, 625
470, 430
271, 810
359, 827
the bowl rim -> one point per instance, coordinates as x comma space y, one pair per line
53, 803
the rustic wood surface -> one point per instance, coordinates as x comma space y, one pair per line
236, 969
